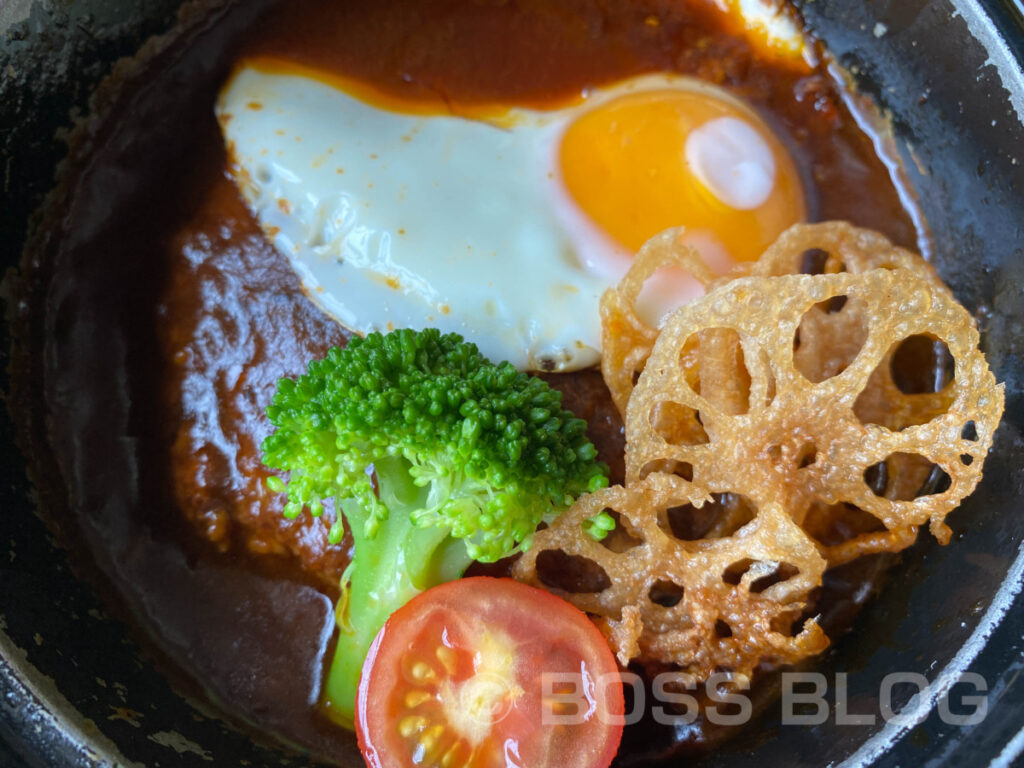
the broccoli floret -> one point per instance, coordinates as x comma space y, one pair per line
436, 458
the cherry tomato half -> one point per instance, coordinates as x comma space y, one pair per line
485, 672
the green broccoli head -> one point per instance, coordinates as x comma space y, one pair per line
495, 446
435, 456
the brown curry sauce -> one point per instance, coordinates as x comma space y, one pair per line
164, 317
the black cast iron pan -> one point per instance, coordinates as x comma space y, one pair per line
949, 75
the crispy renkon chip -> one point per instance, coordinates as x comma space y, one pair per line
758, 425
767, 438
823, 248
626, 339
723, 604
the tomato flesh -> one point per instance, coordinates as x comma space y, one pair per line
484, 672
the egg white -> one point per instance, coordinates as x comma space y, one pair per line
771, 24
396, 220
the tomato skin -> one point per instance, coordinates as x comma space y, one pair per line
365, 745
458, 677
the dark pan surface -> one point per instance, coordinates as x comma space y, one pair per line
75, 689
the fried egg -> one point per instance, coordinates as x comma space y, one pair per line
502, 222
771, 27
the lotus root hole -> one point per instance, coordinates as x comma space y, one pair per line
830, 336
678, 424
681, 469
571, 573
619, 539
725, 514
665, 593
734, 573
921, 364
916, 477
813, 261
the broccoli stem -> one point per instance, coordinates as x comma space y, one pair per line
388, 569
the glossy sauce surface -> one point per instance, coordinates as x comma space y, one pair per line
168, 318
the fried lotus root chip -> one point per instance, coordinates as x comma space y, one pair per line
626, 340
829, 337
823, 248
751, 422
835, 246
832, 334
709, 604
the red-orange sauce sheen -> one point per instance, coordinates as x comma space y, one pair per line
166, 318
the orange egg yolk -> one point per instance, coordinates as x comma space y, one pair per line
646, 161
